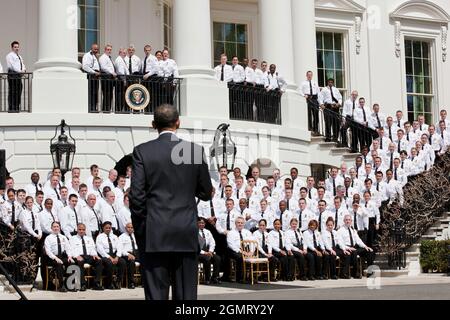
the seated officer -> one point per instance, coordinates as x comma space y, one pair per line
353, 246
82, 251
331, 241
129, 252
316, 249
207, 254
107, 247
296, 247
265, 249
56, 248
234, 239
277, 240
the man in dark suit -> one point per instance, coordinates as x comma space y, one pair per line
168, 173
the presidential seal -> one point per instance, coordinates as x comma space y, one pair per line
137, 97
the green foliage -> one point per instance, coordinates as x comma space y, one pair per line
434, 256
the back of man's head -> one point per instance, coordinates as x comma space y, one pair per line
166, 117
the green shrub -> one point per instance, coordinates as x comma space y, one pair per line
434, 256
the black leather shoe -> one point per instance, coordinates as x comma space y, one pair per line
207, 283
311, 279
83, 288
62, 289
132, 286
98, 288
216, 281
334, 278
111, 287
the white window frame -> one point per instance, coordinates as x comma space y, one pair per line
168, 3
101, 28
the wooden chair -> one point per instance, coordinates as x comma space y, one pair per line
88, 274
251, 261
50, 274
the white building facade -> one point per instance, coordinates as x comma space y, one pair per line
393, 52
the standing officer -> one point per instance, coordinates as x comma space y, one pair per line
91, 66
330, 99
129, 252
108, 70
310, 90
16, 67
121, 84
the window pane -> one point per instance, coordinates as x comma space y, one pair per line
328, 40
322, 80
81, 42
340, 83
410, 104
320, 59
241, 51
338, 42
219, 49
91, 38
329, 74
92, 2
91, 18
218, 31
425, 50
427, 85
426, 68
418, 105
418, 70
329, 60
230, 32
409, 66
410, 84
230, 49
241, 33
408, 48
419, 85
166, 36
319, 40
428, 105
417, 49
338, 60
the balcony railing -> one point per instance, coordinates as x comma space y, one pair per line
15, 92
250, 103
344, 131
107, 93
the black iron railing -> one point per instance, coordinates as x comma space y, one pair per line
336, 128
107, 93
254, 103
15, 92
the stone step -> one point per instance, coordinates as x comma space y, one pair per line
350, 157
392, 273
340, 151
317, 139
327, 145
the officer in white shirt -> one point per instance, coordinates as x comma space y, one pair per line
275, 86
316, 251
34, 186
285, 216
207, 255
223, 71
443, 117
12, 210
133, 62
380, 186
405, 163
422, 125
398, 173
332, 243
128, 249
394, 188
109, 75
409, 135
109, 213
16, 68
150, 64
47, 217
360, 220
91, 217
91, 66
434, 139
297, 182
310, 90
121, 83
278, 241
373, 214
401, 142
170, 74
295, 247
399, 121
124, 214
291, 203
334, 181
119, 191
330, 99
350, 106
388, 161
376, 118
83, 251
234, 239
253, 202
361, 116
107, 245
225, 220
391, 129
353, 247
265, 249
70, 218
52, 191
29, 221
57, 248
238, 71
265, 212
109, 182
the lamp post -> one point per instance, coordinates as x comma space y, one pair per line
223, 149
63, 149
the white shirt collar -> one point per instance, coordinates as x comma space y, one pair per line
166, 132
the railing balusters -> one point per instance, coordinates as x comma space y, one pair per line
15, 92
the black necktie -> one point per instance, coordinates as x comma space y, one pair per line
310, 88
395, 174
133, 244
237, 194
111, 249
222, 76
228, 221
354, 220
336, 219
33, 223
390, 133
21, 64
145, 65
240, 236
57, 194
300, 219
309, 194
98, 221
354, 107
403, 165
314, 239
13, 213
399, 125
442, 135
263, 241
364, 114
281, 219
36, 186
381, 143
378, 186
332, 96
392, 161
352, 243
53, 217
213, 214
320, 221
59, 246
130, 66
399, 148
280, 240
346, 192
298, 239
334, 187
76, 217
407, 136
115, 216
378, 120
333, 243
430, 139
84, 246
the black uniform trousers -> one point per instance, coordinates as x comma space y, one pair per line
314, 264
313, 114
207, 261
59, 268
108, 84
287, 265
163, 269
332, 123
96, 265
110, 268
94, 86
131, 269
237, 257
121, 88
371, 233
301, 263
14, 92
330, 263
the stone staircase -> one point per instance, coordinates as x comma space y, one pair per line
413, 253
332, 152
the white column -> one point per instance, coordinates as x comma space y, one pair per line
304, 35
276, 36
58, 83
58, 36
192, 37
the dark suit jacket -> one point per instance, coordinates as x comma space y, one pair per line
168, 173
